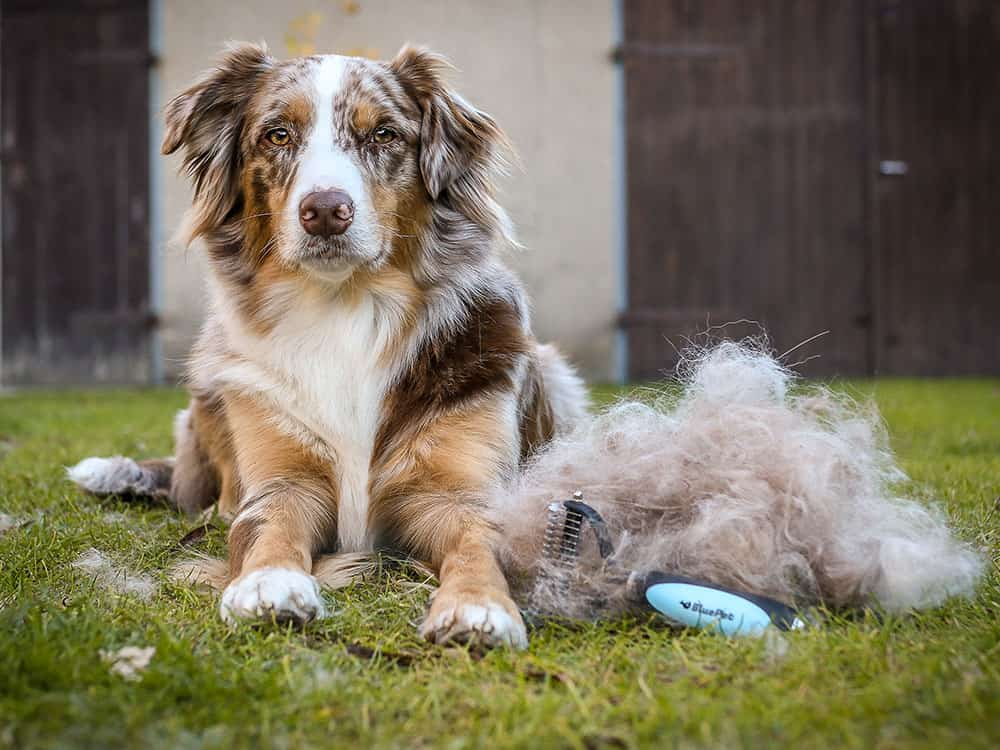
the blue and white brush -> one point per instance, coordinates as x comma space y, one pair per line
684, 601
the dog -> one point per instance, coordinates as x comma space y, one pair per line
366, 377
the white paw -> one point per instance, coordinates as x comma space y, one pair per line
273, 594
487, 623
106, 476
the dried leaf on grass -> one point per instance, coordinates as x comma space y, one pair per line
207, 520
399, 658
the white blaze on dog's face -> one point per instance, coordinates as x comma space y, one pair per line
328, 218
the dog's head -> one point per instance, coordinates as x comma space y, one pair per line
328, 163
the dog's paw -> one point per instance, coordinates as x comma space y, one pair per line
106, 476
273, 594
487, 620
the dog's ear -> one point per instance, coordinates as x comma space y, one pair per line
461, 148
206, 122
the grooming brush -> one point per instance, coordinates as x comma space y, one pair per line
683, 601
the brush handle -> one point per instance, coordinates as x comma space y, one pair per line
704, 605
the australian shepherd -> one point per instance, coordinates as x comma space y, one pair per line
366, 377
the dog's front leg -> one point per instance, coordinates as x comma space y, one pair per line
287, 511
432, 500
473, 603
438, 521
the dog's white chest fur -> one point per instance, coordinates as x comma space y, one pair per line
323, 364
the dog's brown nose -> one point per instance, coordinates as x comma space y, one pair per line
326, 212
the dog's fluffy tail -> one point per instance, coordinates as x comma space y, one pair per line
331, 571
741, 480
201, 570
342, 569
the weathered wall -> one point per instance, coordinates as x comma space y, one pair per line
541, 67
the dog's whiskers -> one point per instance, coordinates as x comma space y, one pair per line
268, 246
257, 216
394, 233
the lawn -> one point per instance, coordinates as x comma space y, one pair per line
362, 678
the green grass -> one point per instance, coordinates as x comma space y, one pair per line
361, 678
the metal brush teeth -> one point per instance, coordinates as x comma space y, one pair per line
562, 533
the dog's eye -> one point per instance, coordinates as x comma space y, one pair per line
383, 135
279, 136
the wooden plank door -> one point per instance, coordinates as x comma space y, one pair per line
75, 157
937, 290
746, 162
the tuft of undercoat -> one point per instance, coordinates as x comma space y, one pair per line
738, 479
113, 577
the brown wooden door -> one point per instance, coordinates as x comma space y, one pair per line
937, 290
746, 161
75, 151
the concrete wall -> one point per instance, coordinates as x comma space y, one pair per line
540, 67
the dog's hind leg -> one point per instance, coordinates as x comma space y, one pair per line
190, 481
118, 475
201, 450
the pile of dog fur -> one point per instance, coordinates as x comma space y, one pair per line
740, 480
